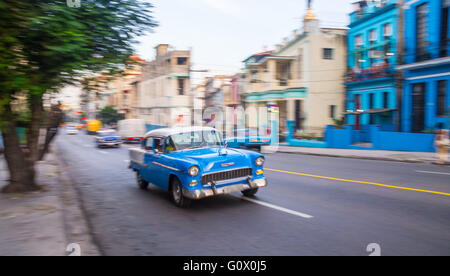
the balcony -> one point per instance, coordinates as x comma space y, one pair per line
374, 72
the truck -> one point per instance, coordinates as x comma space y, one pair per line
132, 130
93, 127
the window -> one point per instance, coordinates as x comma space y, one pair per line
148, 144
386, 99
442, 87
387, 31
327, 53
358, 55
332, 111
372, 36
358, 41
182, 60
444, 28
180, 86
371, 106
421, 32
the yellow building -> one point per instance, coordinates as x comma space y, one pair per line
302, 78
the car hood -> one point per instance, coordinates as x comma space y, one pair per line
211, 159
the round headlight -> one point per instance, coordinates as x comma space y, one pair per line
259, 161
193, 171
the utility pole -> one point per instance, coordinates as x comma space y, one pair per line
400, 61
192, 88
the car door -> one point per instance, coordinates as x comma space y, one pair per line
164, 166
148, 172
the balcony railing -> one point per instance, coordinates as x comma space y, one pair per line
374, 72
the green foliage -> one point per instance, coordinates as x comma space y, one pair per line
46, 44
109, 115
339, 123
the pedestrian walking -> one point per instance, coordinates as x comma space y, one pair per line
442, 143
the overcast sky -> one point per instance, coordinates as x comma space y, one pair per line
222, 33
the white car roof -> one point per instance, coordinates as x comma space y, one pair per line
166, 132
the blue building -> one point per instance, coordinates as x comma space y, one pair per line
426, 68
370, 80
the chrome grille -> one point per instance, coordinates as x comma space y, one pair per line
226, 175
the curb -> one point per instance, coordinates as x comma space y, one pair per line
77, 225
360, 157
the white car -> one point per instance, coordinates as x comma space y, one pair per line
71, 131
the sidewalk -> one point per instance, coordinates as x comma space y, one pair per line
398, 156
43, 223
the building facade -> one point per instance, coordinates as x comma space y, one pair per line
163, 90
301, 80
122, 90
426, 68
370, 82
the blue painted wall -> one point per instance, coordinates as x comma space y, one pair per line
381, 140
433, 33
374, 18
429, 75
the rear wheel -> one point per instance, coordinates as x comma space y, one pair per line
143, 185
177, 196
250, 193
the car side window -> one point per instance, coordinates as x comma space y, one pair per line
148, 144
158, 145
170, 146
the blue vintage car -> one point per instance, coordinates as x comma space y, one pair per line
193, 163
107, 138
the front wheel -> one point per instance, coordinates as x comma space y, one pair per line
177, 196
250, 193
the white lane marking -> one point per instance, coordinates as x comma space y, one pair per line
443, 173
126, 161
282, 209
103, 152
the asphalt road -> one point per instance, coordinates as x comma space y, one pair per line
312, 206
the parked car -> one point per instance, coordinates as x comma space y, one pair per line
248, 138
193, 163
107, 138
131, 130
71, 130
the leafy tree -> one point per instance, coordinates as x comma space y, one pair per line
45, 45
109, 115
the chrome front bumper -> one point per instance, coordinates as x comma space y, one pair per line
213, 191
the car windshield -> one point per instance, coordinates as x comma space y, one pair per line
196, 139
107, 133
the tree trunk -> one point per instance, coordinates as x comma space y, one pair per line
54, 120
33, 133
21, 168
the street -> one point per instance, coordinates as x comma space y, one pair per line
312, 206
